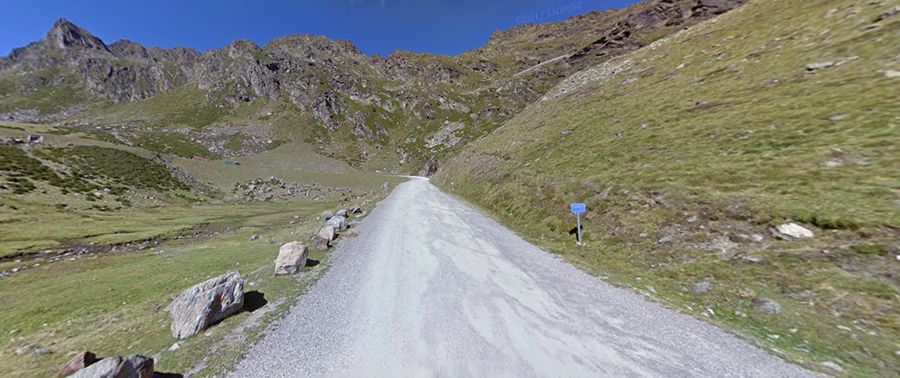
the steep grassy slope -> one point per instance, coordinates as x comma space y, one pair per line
686, 151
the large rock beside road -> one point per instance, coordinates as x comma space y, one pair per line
324, 237
134, 366
291, 257
80, 361
341, 213
339, 223
206, 304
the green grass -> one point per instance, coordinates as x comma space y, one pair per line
171, 143
185, 106
45, 99
723, 127
115, 303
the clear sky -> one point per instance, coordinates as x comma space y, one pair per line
375, 26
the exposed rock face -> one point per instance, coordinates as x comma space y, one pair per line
123, 71
291, 258
135, 366
80, 361
207, 303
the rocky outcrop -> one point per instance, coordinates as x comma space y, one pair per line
291, 258
123, 71
134, 366
207, 303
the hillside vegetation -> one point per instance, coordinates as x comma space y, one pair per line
687, 151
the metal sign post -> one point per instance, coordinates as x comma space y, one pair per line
578, 208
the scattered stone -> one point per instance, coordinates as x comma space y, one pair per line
80, 361
135, 366
833, 366
844, 328
763, 304
341, 213
175, 347
41, 351
665, 240
566, 132
756, 238
642, 235
755, 259
701, 287
791, 230
339, 223
838, 117
254, 237
891, 74
206, 303
326, 215
291, 258
324, 237
818, 66
385, 186
355, 210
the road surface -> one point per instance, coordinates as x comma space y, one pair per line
433, 287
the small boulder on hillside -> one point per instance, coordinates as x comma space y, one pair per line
291, 258
701, 287
339, 223
341, 213
207, 303
763, 304
326, 215
324, 237
80, 361
818, 66
354, 210
135, 366
791, 230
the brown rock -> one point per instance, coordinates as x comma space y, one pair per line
80, 361
291, 257
324, 237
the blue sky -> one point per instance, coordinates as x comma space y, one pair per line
375, 26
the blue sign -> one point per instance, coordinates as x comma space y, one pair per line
578, 208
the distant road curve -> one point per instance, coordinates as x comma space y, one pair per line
433, 287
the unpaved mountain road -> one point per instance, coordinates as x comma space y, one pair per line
433, 287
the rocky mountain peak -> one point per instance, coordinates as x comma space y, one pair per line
64, 35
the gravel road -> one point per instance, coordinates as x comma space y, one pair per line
431, 287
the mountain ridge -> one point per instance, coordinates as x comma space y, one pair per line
375, 111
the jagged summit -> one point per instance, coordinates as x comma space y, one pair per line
64, 34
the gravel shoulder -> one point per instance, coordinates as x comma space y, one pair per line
431, 286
